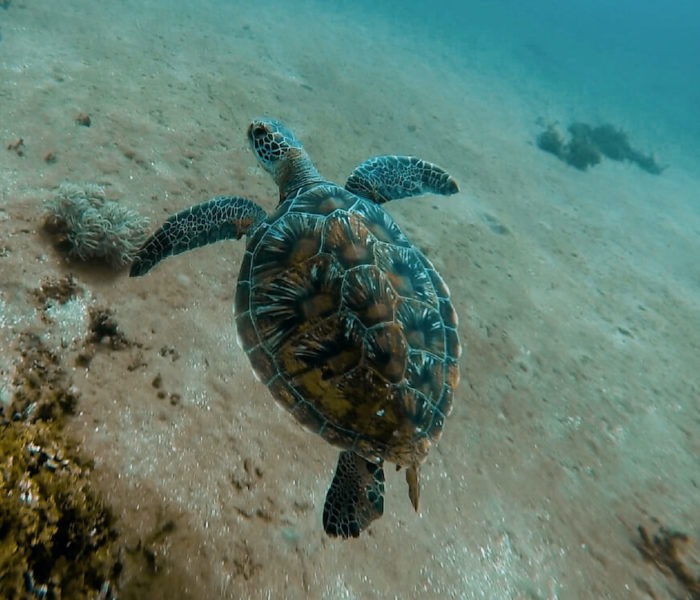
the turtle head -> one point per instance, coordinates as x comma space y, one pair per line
271, 142
282, 155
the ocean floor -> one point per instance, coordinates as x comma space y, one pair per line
578, 416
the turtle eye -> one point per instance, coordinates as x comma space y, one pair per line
259, 131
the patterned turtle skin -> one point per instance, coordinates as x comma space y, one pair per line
347, 323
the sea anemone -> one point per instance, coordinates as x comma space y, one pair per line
92, 227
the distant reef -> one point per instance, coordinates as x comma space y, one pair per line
587, 145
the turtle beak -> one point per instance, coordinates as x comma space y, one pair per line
258, 129
251, 135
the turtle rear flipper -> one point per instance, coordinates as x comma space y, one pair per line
384, 178
217, 219
356, 496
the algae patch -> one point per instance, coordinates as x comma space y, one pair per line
42, 390
57, 536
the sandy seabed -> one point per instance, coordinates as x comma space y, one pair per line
578, 415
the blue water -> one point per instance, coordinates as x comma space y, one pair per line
634, 61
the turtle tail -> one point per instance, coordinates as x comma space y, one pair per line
356, 496
217, 219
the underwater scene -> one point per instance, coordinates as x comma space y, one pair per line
349, 299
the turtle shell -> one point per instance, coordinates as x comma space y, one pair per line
349, 325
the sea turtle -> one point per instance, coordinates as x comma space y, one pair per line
348, 324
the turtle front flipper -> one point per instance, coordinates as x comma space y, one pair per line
384, 178
356, 496
217, 219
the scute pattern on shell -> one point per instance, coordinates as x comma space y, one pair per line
349, 325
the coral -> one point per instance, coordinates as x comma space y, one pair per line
103, 328
103, 331
588, 145
647, 162
667, 550
614, 144
611, 141
581, 152
551, 140
58, 290
93, 227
